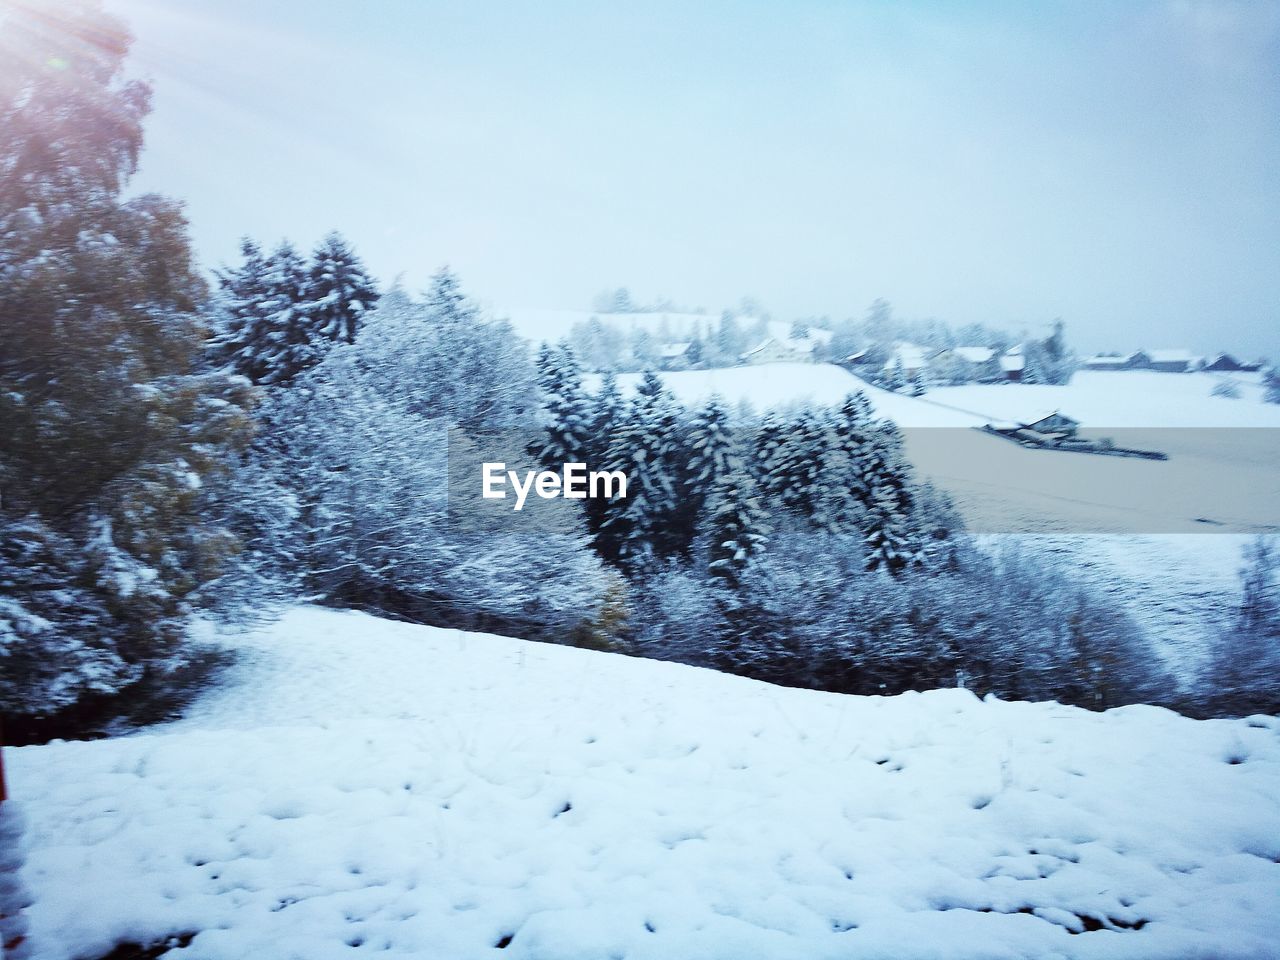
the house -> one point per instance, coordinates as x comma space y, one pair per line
1139, 360
956, 365
1172, 361
1108, 361
908, 357
1054, 424
774, 351
783, 345
1043, 429
674, 356
974, 355
1226, 363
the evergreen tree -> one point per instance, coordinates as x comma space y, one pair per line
854, 436
569, 418
765, 452
646, 447
269, 328
806, 472
240, 320
340, 291
713, 451
897, 379
1246, 666
887, 545
292, 338
606, 411
1272, 381
737, 531
917, 384
109, 433
633, 530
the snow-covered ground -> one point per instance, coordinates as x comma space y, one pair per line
361, 785
1133, 399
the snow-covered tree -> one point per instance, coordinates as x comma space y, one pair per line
765, 450
736, 527
897, 378
1245, 670
1271, 380
569, 426
109, 433
887, 545
917, 384
646, 447
339, 289
713, 450
467, 369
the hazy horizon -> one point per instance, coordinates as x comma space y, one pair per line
992, 163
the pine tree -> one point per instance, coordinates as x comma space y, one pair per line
805, 472
1247, 661
887, 545
109, 433
854, 431
646, 447
569, 418
713, 451
766, 448
917, 384
633, 530
239, 321
1272, 381
292, 339
339, 289
737, 531
270, 330
712, 455
897, 376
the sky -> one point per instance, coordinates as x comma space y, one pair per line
1116, 165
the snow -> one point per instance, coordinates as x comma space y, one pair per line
909, 356
974, 354
1172, 356
362, 784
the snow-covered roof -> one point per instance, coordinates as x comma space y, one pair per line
1171, 356
1101, 361
780, 330
911, 356
669, 351
974, 354
1013, 361
1045, 415
767, 341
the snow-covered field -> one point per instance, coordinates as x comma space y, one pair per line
1133, 399
366, 786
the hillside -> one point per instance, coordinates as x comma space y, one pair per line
428, 793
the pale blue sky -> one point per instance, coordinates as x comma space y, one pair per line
1117, 163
